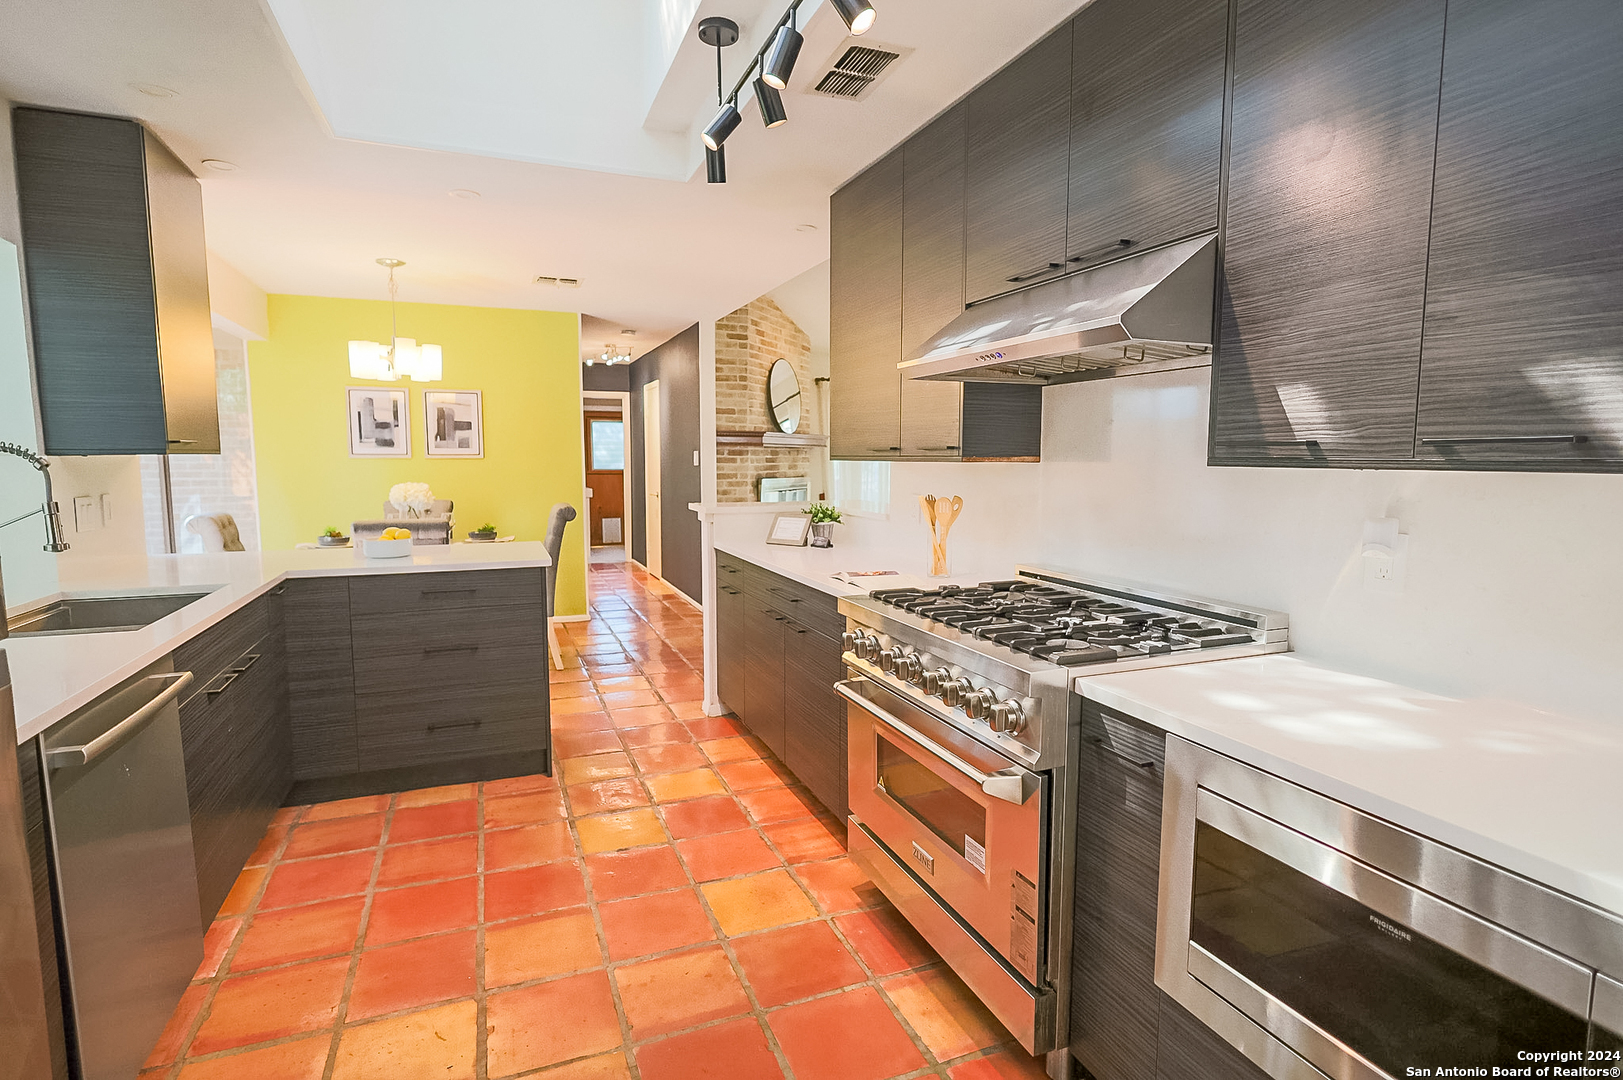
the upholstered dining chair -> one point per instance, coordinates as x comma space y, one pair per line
562, 514
219, 531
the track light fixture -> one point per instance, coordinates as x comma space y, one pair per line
771, 102
858, 14
715, 165
779, 63
719, 33
723, 125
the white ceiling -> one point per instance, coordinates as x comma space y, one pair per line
351, 121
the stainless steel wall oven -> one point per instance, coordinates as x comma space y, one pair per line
1324, 942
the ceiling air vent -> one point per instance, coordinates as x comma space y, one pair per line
559, 282
857, 69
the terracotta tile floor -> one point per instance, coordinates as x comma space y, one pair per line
670, 906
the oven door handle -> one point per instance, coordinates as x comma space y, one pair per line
1011, 785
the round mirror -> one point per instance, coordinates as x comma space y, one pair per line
783, 396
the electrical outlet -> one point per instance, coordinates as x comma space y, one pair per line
1385, 572
85, 515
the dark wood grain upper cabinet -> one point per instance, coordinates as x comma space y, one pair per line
1329, 197
1146, 125
865, 313
1523, 346
1019, 161
932, 276
112, 229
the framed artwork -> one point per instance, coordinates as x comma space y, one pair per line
456, 423
789, 530
379, 422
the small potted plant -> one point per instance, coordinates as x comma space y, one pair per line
823, 519
485, 532
332, 537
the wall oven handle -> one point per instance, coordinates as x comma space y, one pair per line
1012, 785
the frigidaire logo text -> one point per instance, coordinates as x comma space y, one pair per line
1391, 930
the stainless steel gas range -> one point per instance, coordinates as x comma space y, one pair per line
961, 723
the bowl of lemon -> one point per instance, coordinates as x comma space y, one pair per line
393, 544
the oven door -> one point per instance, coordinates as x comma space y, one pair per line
966, 821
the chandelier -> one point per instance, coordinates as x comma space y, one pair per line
611, 355
402, 358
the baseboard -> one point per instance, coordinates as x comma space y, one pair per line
388, 781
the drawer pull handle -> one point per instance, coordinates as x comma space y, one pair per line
449, 592
1105, 745
247, 662
458, 724
226, 680
1033, 275
1489, 440
430, 650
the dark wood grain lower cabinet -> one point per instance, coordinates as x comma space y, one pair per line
39, 867
1186, 1049
321, 677
814, 715
466, 683
763, 674
1114, 1000
730, 639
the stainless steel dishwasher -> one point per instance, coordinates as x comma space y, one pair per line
22, 990
121, 837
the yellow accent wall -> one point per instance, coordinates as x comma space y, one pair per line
527, 365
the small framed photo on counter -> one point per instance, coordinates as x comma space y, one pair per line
790, 530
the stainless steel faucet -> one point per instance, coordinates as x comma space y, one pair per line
53, 516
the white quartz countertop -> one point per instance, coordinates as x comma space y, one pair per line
54, 675
816, 567
1534, 792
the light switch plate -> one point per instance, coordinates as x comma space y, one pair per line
106, 508
85, 515
695, 457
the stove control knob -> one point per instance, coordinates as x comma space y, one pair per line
933, 680
978, 704
867, 646
910, 667
1008, 717
888, 658
954, 692
848, 641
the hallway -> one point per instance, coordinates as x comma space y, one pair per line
668, 907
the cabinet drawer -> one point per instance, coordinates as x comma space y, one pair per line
802, 603
217, 649
426, 594
394, 647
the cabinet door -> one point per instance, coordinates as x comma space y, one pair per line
1329, 196
730, 662
1019, 157
321, 677
932, 277
1187, 1049
1114, 1001
763, 679
1524, 328
1146, 125
814, 715
865, 313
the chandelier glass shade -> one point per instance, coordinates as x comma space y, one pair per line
401, 358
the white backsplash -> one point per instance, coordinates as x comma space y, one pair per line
1513, 584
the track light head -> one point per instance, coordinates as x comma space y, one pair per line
722, 126
780, 59
858, 14
715, 165
772, 112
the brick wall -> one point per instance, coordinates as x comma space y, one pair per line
747, 343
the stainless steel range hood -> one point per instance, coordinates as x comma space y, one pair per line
1145, 309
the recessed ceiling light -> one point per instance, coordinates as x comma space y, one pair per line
219, 164
805, 228
464, 193
154, 90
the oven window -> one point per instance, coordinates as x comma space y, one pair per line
942, 808
1396, 997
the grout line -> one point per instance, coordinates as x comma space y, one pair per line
342, 1011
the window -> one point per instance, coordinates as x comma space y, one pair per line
862, 486
608, 445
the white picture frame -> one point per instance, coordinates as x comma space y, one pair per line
789, 530
379, 422
454, 423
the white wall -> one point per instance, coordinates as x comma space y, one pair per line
1514, 582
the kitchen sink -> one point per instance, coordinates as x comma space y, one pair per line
98, 614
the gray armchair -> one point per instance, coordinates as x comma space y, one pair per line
562, 514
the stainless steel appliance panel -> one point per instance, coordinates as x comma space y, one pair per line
971, 826
27, 1054
127, 883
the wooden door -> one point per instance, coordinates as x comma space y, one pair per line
1522, 364
651, 472
1334, 133
1019, 164
865, 314
605, 446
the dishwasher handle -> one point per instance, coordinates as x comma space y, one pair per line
1012, 785
65, 757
